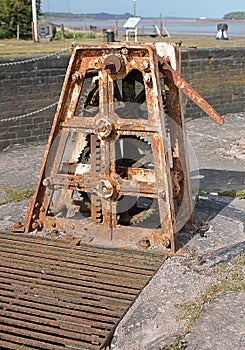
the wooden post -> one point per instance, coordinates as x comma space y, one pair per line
62, 31
161, 25
116, 26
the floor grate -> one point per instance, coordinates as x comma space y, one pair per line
57, 296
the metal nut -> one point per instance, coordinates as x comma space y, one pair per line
145, 65
124, 51
166, 241
147, 78
76, 77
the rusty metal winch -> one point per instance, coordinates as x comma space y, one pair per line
116, 171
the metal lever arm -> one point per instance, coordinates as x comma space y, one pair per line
177, 80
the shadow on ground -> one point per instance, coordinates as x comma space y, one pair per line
211, 207
213, 180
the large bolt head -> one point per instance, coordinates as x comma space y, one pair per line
105, 188
76, 77
112, 64
103, 128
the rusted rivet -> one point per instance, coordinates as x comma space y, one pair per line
96, 63
162, 193
76, 77
166, 242
147, 78
34, 225
124, 51
145, 243
104, 189
46, 182
146, 65
40, 225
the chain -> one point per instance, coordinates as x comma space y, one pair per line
33, 59
29, 114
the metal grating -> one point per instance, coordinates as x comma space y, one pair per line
55, 296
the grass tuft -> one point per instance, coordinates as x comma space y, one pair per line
227, 277
178, 344
15, 195
233, 193
21, 48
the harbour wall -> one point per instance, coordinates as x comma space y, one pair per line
30, 90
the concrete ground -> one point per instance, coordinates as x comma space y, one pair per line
155, 320
197, 299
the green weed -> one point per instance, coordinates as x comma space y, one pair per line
179, 344
233, 193
15, 195
227, 277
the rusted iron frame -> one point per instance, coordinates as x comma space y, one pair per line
106, 102
36, 200
154, 121
179, 148
175, 83
160, 154
65, 113
179, 82
85, 183
113, 172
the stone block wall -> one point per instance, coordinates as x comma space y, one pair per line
25, 89
217, 74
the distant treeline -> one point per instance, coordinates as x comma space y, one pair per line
235, 15
107, 16
97, 16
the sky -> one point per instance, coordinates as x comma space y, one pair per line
147, 8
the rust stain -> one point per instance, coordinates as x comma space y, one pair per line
116, 168
54, 296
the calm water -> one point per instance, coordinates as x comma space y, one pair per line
198, 27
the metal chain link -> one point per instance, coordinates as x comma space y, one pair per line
29, 60
33, 59
29, 114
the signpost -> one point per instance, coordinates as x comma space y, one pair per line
131, 26
134, 8
34, 19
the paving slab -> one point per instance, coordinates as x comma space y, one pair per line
152, 322
222, 325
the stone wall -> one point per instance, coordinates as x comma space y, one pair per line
217, 74
27, 88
